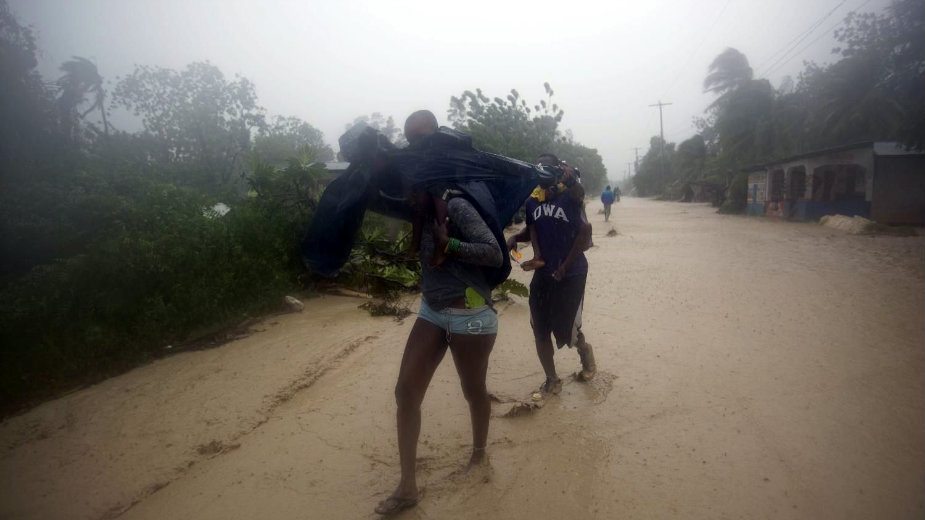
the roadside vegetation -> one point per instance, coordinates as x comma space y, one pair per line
873, 91
514, 127
117, 243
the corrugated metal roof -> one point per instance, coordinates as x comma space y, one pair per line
880, 148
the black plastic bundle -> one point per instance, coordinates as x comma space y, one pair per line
382, 177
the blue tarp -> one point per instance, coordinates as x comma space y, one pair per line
381, 177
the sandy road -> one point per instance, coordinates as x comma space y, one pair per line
749, 369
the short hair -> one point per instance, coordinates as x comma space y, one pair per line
425, 116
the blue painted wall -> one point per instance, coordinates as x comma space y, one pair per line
755, 208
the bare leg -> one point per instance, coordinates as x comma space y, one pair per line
470, 354
540, 294
424, 350
546, 352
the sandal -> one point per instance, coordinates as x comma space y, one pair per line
395, 505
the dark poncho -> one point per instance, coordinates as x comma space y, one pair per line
381, 177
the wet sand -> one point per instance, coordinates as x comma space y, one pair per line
748, 369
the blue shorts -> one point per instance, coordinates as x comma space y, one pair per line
481, 320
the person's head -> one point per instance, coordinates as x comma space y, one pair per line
551, 172
548, 159
420, 124
567, 174
607, 189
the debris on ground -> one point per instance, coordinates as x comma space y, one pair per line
294, 304
518, 407
523, 408
858, 225
612, 232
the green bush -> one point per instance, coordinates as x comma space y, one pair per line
380, 262
160, 267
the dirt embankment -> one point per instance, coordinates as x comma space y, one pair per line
749, 368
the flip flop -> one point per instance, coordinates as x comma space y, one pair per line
395, 505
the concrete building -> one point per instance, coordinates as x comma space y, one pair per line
880, 181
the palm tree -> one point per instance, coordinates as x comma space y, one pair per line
729, 70
81, 80
741, 120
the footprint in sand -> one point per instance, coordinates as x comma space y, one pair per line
518, 406
472, 475
598, 388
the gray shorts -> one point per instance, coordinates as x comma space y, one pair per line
481, 320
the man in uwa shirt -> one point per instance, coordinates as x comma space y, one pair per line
560, 234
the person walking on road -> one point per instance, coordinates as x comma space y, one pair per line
608, 197
560, 235
455, 313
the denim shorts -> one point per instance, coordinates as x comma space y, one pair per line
481, 320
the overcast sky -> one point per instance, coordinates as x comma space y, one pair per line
328, 61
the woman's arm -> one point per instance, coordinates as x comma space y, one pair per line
478, 244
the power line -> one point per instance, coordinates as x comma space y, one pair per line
703, 40
680, 130
816, 39
661, 124
800, 38
792, 43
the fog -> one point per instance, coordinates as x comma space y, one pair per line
180, 246
329, 61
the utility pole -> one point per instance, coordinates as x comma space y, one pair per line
661, 124
661, 132
636, 164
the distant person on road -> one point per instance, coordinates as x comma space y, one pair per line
560, 234
455, 313
607, 198
617, 193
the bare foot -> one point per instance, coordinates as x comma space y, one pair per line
398, 501
551, 387
584, 376
478, 456
395, 505
477, 470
